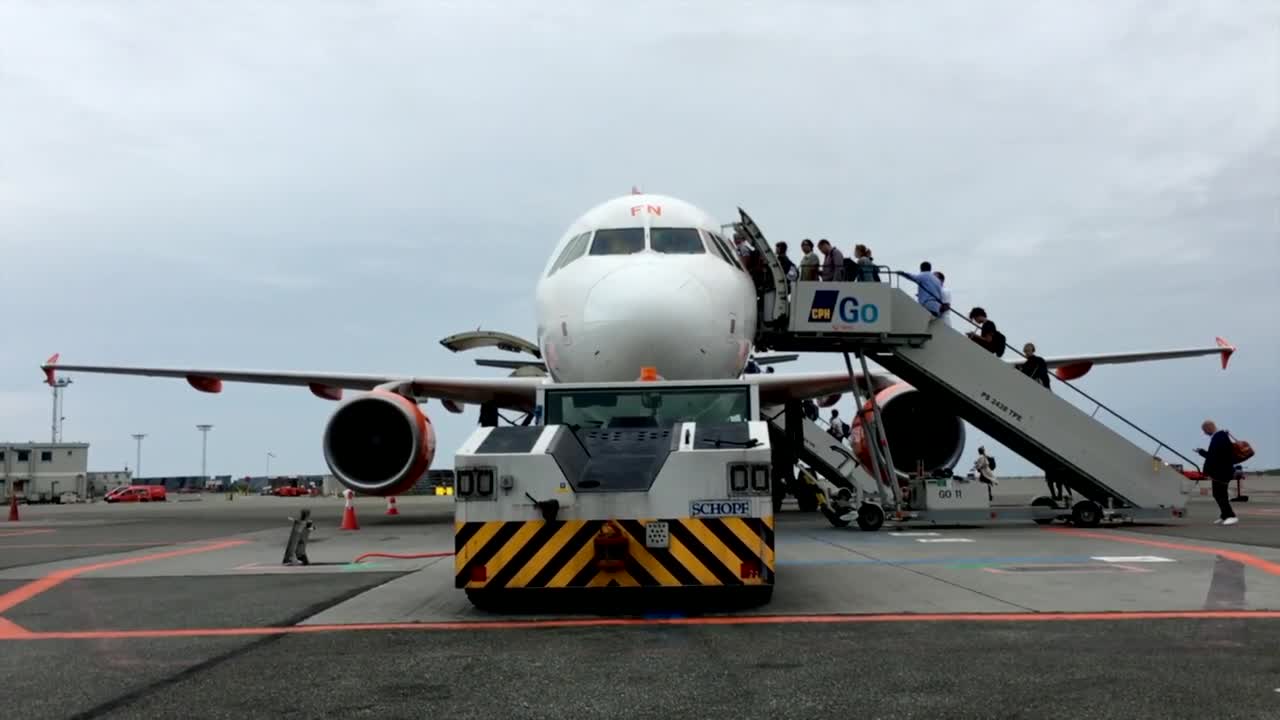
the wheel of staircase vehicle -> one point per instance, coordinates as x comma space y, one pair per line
833, 516
1044, 501
1086, 513
870, 517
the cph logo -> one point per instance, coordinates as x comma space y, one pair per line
824, 304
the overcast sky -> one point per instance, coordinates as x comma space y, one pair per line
338, 185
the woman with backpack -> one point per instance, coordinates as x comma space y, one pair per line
984, 467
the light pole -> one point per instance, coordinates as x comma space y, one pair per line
204, 447
58, 386
137, 465
269, 456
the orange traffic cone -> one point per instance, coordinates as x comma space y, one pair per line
391, 506
349, 514
13, 506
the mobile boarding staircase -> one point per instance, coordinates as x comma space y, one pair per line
838, 481
1114, 477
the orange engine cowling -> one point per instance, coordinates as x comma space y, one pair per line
922, 433
379, 443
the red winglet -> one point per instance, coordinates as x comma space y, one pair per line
48, 368
1227, 350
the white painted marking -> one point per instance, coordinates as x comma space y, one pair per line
1134, 559
932, 540
914, 534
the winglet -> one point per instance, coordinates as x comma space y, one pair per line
48, 366
1227, 350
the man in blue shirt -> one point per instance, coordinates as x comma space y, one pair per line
928, 288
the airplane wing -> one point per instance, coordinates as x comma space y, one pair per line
776, 389
519, 393
1070, 367
515, 393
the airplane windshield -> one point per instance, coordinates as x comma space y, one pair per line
572, 251
647, 407
618, 241
681, 241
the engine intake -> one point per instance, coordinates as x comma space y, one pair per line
921, 431
379, 443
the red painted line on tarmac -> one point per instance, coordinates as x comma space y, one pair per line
27, 531
626, 622
32, 546
16, 597
1243, 558
10, 630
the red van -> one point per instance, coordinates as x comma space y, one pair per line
137, 493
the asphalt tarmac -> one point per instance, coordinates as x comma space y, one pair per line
184, 610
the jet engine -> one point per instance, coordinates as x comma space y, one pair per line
921, 431
379, 443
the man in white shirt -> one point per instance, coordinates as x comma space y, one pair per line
809, 263
946, 298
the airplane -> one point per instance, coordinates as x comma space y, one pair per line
641, 280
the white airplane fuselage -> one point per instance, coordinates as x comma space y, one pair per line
649, 282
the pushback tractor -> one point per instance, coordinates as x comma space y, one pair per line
661, 486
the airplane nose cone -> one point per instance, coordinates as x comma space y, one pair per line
641, 294
650, 316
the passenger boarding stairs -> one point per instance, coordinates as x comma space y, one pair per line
1041, 426
848, 484
891, 328
882, 323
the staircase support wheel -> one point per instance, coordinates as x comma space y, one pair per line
1044, 501
1086, 513
870, 517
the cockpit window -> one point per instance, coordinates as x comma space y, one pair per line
676, 241
725, 252
572, 251
618, 241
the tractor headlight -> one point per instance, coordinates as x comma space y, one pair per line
760, 478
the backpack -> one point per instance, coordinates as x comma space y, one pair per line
850, 269
1241, 450
991, 462
997, 343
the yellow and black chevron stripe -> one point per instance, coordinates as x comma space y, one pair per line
701, 552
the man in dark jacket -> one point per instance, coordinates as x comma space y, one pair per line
1219, 467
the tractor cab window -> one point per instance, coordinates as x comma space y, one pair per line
647, 407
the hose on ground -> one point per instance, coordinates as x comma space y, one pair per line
402, 556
